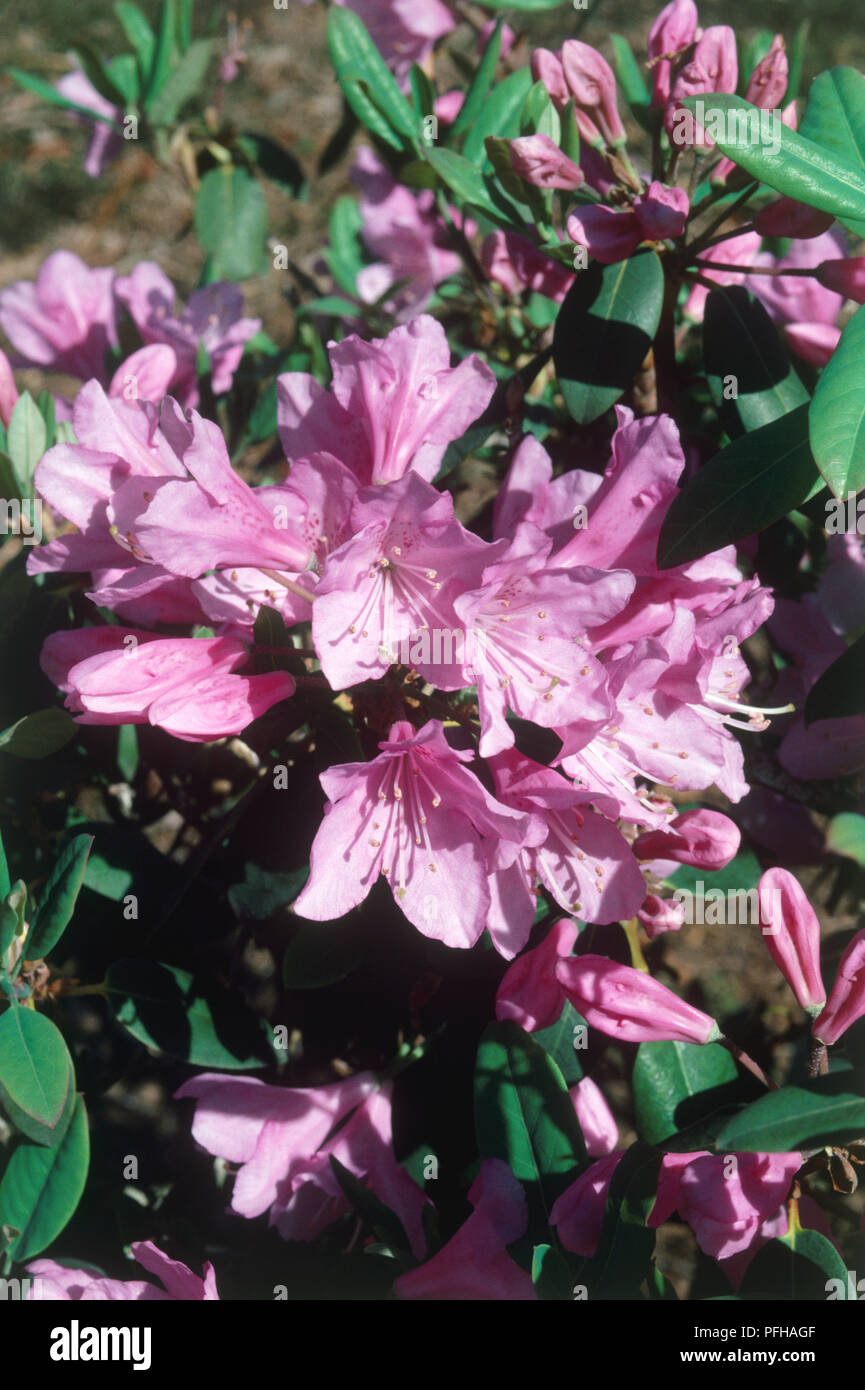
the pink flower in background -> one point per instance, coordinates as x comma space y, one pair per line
283, 1140
846, 1002
474, 1265
513, 262
418, 817
845, 276
790, 928
803, 307
408, 235
60, 1283
212, 319
105, 142
64, 320
787, 218
660, 915
597, 1120
404, 31
181, 684
395, 403
8, 389
629, 1005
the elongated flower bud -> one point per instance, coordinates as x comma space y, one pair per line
792, 934
659, 915
846, 276
768, 81
672, 33
703, 839
547, 68
593, 84
538, 160
846, 1000
597, 1120
787, 217
629, 1005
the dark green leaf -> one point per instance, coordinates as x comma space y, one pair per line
5, 881
57, 900
838, 413
752, 483
797, 1266
343, 254
604, 330
629, 74
166, 47
623, 1257
743, 351
13, 913
35, 1068
164, 1008
38, 735
500, 115
819, 1112
42, 1187
231, 222
481, 82
558, 1042
276, 162
183, 83
127, 750
356, 60
463, 179
265, 892
384, 1223
551, 1275
320, 954
139, 33
676, 1084
846, 835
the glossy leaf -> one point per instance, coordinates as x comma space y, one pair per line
378, 102
35, 1067
837, 416
481, 82
835, 115
558, 1042
797, 1266
823, 1111
676, 1084
742, 349
39, 734
752, 483
57, 900
623, 1257
604, 330
500, 115
42, 1187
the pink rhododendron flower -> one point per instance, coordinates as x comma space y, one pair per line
792, 934
740, 250
417, 816
612, 235
60, 1283
671, 35
846, 1002
474, 1265
8, 390
597, 1120
146, 375
660, 915
212, 319
396, 403
105, 143
787, 218
514, 263
403, 31
846, 276
578, 1214
725, 1199
529, 992
282, 1138
64, 320
181, 684
705, 839
630, 1005
805, 308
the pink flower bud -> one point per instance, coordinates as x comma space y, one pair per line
629, 1005
597, 1120
662, 212
538, 160
846, 1000
547, 68
8, 389
593, 85
448, 106
659, 915
529, 992
671, 34
847, 277
768, 82
792, 934
703, 839
716, 54
813, 342
607, 234
787, 218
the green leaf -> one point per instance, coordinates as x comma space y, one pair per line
742, 872
35, 1066
835, 114
163, 1007
183, 83
320, 954
57, 900
46, 92
98, 74
752, 483
676, 1084
841, 688
357, 61
125, 75
500, 114
231, 222
846, 835
384, 1223
274, 161
422, 91
798, 167
127, 750
624, 1253
343, 254
819, 1112
38, 735
184, 24
166, 47
524, 1115
838, 413
604, 330
26, 440
741, 342
463, 179
558, 1043
630, 75
551, 1275
42, 1187
10, 488
264, 892
481, 82
139, 33
796, 1266
5, 880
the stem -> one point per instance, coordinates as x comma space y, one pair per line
748, 1062
632, 932
818, 1058
85, 989
706, 235
288, 584
754, 269
665, 349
